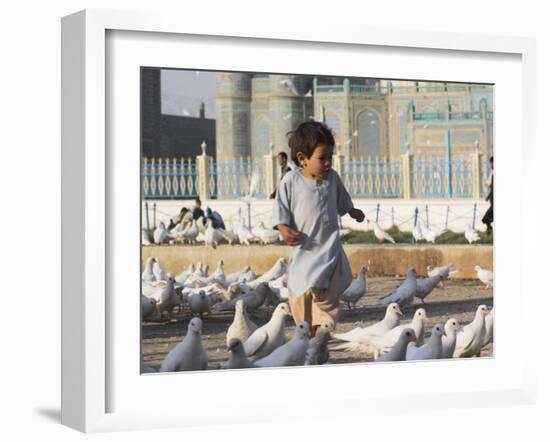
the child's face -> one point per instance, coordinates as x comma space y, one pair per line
320, 162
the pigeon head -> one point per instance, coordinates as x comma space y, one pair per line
394, 308
408, 335
195, 326
477, 268
411, 272
302, 329
234, 344
170, 279
283, 309
483, 310
326, 327
421, 313
451, 325
438, 330
364, 269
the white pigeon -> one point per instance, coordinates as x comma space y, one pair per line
267, 236
189, 354
404, 294
215, 292
238, 357
160, 234
417, 232
212, 236
384, 343
431, 349
179, 235
471, 235
230, 236
278, 270
245, 235
268, 337
469, 340
168, 296
444, 271
278, 290
191, 233
160, 274
290, 354
431, 234
178, 227
485, 276
357, 288
148, 307
219, 275
241, 327
288, 83
391, 320
381, 234
317, 350
148, 275
145, 241
201, 270
234, 277
489, 321
448, 341
399, 349
252, 299
182, 277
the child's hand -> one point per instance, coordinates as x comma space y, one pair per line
291, 236
357, 214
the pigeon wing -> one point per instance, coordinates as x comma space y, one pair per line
255, 343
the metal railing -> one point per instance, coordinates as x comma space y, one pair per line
428, 177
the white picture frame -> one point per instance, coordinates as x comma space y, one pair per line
88, 173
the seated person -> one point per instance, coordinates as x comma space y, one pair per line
197, 211
217, 220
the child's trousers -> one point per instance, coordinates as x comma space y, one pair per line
317, 305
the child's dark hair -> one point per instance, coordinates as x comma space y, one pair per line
307, 137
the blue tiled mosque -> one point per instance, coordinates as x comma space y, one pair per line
369, 117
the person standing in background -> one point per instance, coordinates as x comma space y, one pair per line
488, 217
282, 159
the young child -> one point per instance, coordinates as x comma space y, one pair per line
306, 209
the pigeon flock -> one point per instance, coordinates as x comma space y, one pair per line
202, 232
255, 316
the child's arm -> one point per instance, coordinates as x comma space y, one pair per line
357, 214
282, 214
345, 204
291, 236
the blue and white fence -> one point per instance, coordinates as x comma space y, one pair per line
373, 178
169, 178
456, 177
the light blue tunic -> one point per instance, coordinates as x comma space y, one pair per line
312, 208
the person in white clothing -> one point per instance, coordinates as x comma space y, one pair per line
306, 208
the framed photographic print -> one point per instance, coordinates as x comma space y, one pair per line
307, 186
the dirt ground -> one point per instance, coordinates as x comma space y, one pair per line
458, 299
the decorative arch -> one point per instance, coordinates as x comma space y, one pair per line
369, 133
